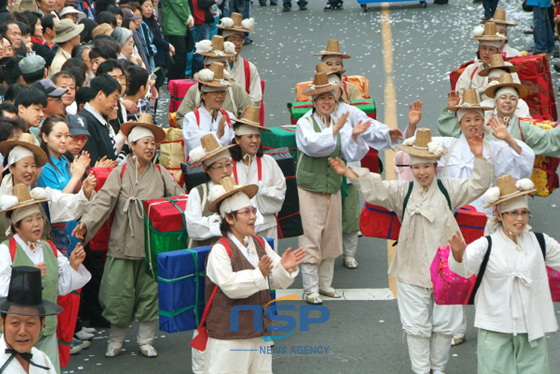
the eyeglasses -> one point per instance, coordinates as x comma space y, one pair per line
515, 213
247, 211
227, 165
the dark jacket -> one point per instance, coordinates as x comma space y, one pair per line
99, 143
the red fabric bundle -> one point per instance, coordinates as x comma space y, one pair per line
378, 222
471, 222
163, 214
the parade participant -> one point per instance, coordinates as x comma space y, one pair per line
489, 45
250, 165
136, 179
506, 95
60, 275
243, 72
23, 314
209, 118
203, 226
245, 268
349, 91
319, 136
427, 221
502, 26
236, 99
513, 305
22, 160
335, 61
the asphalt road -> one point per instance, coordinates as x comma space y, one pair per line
362, 336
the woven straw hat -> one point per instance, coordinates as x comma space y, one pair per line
228, 183
145, 120
489, 33
500, 18
216, 72
21, 191
333, 49
237, 19
217, 48
211, 146
506, 80
250, 117
320, 85
25, 140
497, 62
508, 190
420, 146
469, 101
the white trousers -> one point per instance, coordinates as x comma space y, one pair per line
145, 335
350, 244
317, 277
238, 356
429, 327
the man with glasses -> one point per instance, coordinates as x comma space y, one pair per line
54, 97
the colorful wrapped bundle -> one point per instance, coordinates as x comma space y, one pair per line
378, 222
164, 228
181, 288
172, 152
181, 277
280, 137
449, 287
554, 283
471, 222
100, 241
177, 90
298, 109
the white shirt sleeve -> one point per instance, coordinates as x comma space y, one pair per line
312, 143
272, 188
64, 207
199, 227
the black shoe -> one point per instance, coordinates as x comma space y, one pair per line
557, 67
477, 2
528, 32
247, 41
286, 9
273, 4
334, 6
302, 7
262, 4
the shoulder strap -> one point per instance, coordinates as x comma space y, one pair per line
123, 170
53, 247
540, 239
444, 192
224, 113
259, 168
474, 72
12, 245
260, 240
197, 117
247, 70
406, 198
481, 270
234, 171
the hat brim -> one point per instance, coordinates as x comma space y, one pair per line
342, 55
491, 38
26, 203
499, 22
215, 152
215, 83
252, 124
235, 29
317, 91
65, 37
159, 134
509, 68
39, 155
523, 91
457, 107
49, 308
520, 193
213, 54
249, 189
77, 132
421, 152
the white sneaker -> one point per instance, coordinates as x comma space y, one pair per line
148, 350
78, 345
89, 330
313, 298
350, 262
83, 335
330, 293
458, 339
113, 349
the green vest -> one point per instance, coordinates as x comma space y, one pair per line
315, 174
49, 282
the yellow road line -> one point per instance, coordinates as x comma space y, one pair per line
389, 112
